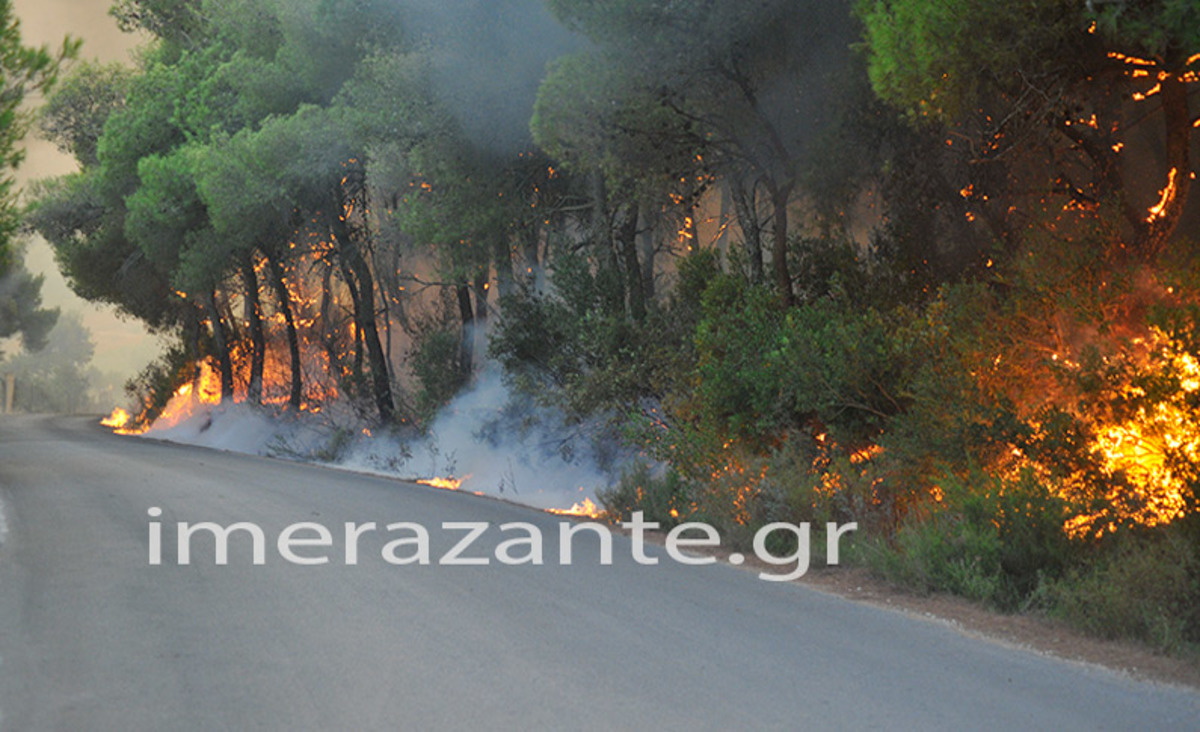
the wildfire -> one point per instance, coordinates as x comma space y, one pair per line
450, 484
1145, 456
584, 508
117, 420
1168, 195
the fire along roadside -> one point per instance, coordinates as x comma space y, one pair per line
525, 546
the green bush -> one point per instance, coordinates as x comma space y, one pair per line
1144, 586
660, 498
989, 539
436, 363
155, 384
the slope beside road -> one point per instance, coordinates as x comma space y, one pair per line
94, 637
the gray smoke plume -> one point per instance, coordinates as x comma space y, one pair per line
488, 58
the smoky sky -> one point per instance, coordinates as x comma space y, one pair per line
488, 58
123, 346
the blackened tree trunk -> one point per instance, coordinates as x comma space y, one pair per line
503, 256
626, 242
466, 345
362, 291
745, 205
285, 306
1164, 217
780, 195
258, 343
221, 344
647, 248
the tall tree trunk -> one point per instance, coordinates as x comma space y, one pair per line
356, 304
285, 306
1164, 217
745, 204
466, 346
258, 343
481, 287
626, 242
646, 246
503, 255
332, 353
221, 344
363, 294
780, 195
191, 327
613, 293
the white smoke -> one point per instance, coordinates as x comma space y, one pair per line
495, 443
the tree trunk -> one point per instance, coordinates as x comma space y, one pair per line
326, 310
627, 246
602, 236
780, 195
745, 206
466, 344
285, 306
363, 294
1164, 217
258, 343
647, 248
503, 256
221, 344
191, 327
356, 303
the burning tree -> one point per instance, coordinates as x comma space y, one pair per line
683, 92
1020, 86
205, 191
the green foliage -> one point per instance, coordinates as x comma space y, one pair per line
933, 58
578, 349
21, 311
761, 372
661, 498
436, 363
154, 385
75, 114
991, 539
1143, 586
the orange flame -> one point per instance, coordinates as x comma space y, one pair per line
450, 484
1168, 195
583, 508
118, 419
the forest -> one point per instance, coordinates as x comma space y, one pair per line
927, 267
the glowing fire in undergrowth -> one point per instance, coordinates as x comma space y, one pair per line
450, 484
117, 420
583, 508
1148, 455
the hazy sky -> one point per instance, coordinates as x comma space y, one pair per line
121, 346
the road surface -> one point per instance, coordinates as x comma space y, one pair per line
92, 637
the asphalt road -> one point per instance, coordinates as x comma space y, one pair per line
92, 637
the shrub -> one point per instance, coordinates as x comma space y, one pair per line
1144, 586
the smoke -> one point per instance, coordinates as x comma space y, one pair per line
497, 443
503, 445
488, 58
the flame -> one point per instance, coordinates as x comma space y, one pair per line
450, 484
1168, 195
118, 419
583, 508
1145, 450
